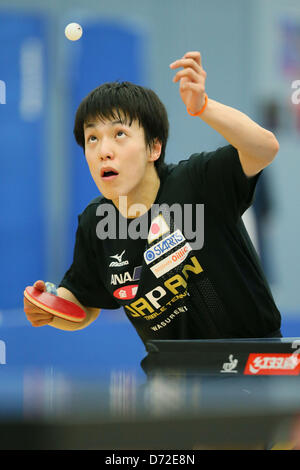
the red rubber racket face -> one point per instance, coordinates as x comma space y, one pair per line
56, 305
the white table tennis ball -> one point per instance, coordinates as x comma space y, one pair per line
73, 31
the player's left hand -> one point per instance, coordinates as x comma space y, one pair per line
192, 80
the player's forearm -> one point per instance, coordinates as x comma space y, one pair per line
240, 131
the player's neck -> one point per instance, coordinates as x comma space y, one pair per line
141, 198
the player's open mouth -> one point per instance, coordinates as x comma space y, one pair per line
108, 174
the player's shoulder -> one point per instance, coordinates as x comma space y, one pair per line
96, 201
90, 211
223, 152
204, 156
202, 161
199, 167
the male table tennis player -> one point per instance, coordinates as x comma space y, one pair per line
170, 288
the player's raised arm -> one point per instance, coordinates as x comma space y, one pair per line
256, 146
39, 317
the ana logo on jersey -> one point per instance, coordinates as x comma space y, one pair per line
158, 228
119, 261
126, 277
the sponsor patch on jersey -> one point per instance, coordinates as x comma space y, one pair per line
126, 292
119, 262
273, 364
158, 228
163, 246
126, 277
173, 260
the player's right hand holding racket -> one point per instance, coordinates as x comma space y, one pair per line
35, 315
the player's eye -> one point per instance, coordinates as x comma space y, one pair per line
89, 139
120, 132
93, 138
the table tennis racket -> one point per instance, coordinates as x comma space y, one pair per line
53, 304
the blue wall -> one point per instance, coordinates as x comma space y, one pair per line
23, 122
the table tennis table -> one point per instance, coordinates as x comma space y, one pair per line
238, 356
198, 404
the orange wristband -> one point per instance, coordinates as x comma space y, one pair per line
201, 110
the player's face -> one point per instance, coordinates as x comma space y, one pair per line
118, 159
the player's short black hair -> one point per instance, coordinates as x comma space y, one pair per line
113, 100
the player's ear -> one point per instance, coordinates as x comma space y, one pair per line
155, 150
